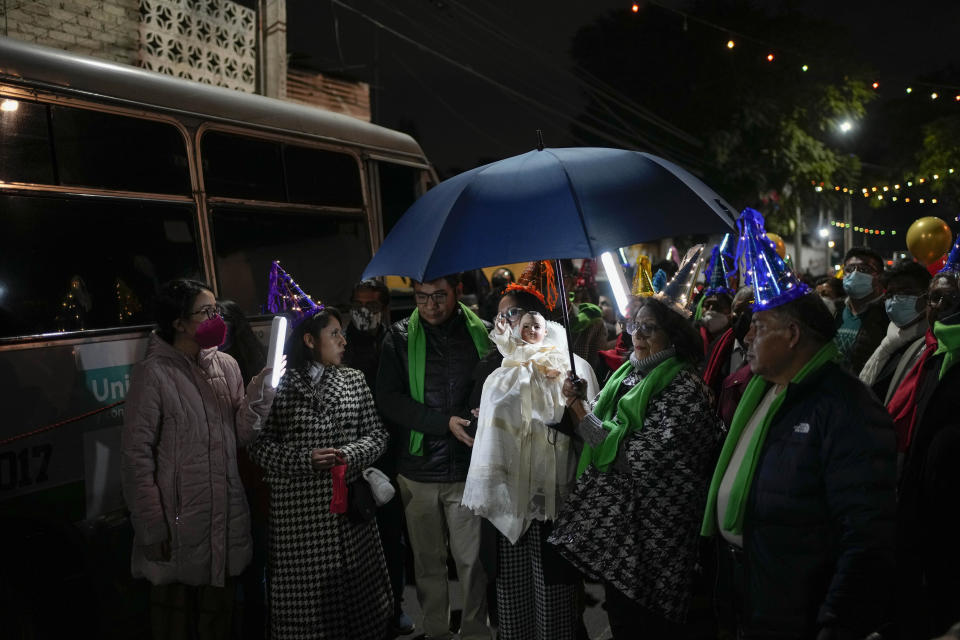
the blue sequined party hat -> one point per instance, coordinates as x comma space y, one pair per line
952, 265
285, 295
773, 282
719, 272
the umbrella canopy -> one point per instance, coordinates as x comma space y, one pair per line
554, 203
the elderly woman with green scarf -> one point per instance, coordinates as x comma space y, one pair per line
650, 441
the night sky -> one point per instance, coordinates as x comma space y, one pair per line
522, 47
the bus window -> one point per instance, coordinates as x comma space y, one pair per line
315, 176
239, 167
326, 252
25, 143
109, 151
74, 264
399, 188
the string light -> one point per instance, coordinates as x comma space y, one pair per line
885, 188
864, 230
770, 55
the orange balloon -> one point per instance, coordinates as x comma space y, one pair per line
778, 242
928, 239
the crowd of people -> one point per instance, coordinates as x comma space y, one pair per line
786, 451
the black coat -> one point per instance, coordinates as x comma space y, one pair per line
928, 515
819, 527
448, 381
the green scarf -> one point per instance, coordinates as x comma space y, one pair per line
587, 313
752, 395
630, 410
417, 359
948, 337
698, 311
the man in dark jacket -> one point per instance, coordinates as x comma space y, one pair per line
862, 321
423, 389
369, 318
928, 518
803, 494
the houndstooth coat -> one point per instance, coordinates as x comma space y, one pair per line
637, 525
327, 576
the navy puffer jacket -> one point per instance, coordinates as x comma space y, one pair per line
819, 528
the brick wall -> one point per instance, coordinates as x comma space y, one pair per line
106, 29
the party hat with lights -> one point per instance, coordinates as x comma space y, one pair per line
678, 292
773, 282
642, 280
717, 273
285, 295
952, 265
540, 280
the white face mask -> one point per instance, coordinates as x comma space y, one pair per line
714, 322
832, 304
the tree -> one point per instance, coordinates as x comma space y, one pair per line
759, 132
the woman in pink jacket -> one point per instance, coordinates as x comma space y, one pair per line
185, 414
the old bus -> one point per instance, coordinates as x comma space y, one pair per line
113, 180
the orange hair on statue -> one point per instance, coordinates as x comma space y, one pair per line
538, 272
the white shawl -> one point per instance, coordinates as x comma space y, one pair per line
520, 469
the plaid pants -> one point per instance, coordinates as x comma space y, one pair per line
527, 607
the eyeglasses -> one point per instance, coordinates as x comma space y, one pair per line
941, 299
439, 298
645, 329
862, 267
372, 307
209, 311
512, 313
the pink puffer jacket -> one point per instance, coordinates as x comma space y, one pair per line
183, 421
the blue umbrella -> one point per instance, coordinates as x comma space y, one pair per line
549, 203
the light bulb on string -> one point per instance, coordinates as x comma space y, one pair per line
876, 85
804, 68
770, 57
635, 8
909, 89
934, 95
731, 44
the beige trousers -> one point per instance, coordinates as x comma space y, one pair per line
435, 519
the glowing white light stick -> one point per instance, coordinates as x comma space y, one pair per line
278, 334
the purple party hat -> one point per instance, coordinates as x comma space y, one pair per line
773, 282
285, 295
952, 266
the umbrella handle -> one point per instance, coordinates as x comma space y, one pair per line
566, 318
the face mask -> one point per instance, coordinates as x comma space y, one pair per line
714, 322
741, 325
211, 332
858, 285
902, 310
364, 319
831, 303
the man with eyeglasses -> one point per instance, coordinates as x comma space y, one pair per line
862, 323
926, 413
423, 389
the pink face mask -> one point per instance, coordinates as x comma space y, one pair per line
211, 332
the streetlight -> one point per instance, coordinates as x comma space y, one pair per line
846, 126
